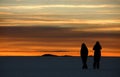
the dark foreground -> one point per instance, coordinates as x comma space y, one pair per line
56, 67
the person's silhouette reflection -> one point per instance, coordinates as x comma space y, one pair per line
84, 55
97, 55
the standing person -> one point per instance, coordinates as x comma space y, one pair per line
97, 55
84, 55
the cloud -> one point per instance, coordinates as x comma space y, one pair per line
59, 6
53, 51
41, 2
57, 39
108, 12
57, 22
19, 0
58, 32
6, 13
99, 29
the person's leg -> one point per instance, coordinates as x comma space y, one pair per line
82, 62
98, 65
86, 67
94, 64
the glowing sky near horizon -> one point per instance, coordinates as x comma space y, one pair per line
36, 27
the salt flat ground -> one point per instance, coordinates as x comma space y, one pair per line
56, 67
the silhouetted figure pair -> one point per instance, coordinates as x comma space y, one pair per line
97, 55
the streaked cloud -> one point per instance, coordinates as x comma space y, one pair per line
99, 29
41, 2
59, 6
52, 39
52, 32
56, 22
6, 13
19, 0
36, 27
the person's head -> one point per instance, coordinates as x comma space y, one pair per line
83, 45
97, 42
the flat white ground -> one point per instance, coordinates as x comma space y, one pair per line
56, 67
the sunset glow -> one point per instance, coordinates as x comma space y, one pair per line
59, 27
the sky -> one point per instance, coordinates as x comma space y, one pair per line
37, 27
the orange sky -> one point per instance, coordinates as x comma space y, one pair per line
36, 27
13, 48
107, 54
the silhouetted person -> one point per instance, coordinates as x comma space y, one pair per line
97, 55
84, 55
